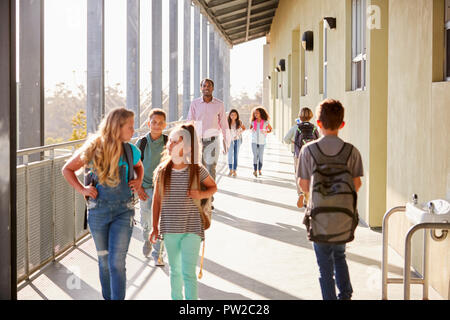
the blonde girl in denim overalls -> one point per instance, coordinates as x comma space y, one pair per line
111, 207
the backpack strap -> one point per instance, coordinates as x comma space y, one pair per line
142, 145
128, 154
321, 158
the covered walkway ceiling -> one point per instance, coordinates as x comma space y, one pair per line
239, 21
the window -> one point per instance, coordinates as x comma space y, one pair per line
447, 40
358, 44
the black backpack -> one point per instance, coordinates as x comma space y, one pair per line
331, 216
143, 144
304, 134
89, 177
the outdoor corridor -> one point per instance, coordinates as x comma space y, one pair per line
256, 248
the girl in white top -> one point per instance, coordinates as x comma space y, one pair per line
236, 128
181, 224
260, 127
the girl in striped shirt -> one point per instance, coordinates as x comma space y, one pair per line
175, 215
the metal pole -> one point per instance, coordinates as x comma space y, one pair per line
187, 59
8, 99
212, 54
95, 64
196, 52
31, 75
173, 60
133, 62
157, 54
425, 266
204, 48
219, 67
384, 264
407, 271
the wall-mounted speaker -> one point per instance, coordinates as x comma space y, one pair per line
308, 40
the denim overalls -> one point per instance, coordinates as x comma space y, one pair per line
110, 221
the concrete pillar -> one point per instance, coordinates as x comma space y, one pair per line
8, 243
212, 54
187, 58
219, 67
156, 53
31, 69
173, 60
95, 64
226, 80
204, 47
267, 71
133, 31
196, 52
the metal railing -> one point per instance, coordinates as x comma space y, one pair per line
50, 213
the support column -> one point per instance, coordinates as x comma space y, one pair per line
219, 67
226, 81
133, 31
204, 47
173, 60
187, 59
31, 75
95, 64
266, 72
157, 54
212, 53
8, 243
196, 52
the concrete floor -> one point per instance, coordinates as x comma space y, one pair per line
256, 248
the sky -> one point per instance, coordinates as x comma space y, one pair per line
66, 57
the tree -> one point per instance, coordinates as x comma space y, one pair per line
79, 127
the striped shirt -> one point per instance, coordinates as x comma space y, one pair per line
179, 214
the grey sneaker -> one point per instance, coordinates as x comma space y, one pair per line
147, 248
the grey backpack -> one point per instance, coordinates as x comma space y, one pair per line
331, 216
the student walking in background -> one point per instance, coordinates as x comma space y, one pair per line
151, 146
260, 127
175, 215
236, 128
299, 135
331, 170
111, 209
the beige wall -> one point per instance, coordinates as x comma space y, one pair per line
418, 127
400, 123
365, 113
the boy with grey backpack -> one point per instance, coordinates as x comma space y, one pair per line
331, 170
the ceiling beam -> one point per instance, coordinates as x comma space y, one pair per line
212, 19
249, 10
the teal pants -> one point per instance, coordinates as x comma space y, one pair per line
182, 251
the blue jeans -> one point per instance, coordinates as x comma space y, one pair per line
146, 221
111, 224
233, 153
258, 154
182, 251
331, 261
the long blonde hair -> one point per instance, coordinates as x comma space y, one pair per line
191, 156
103, 150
